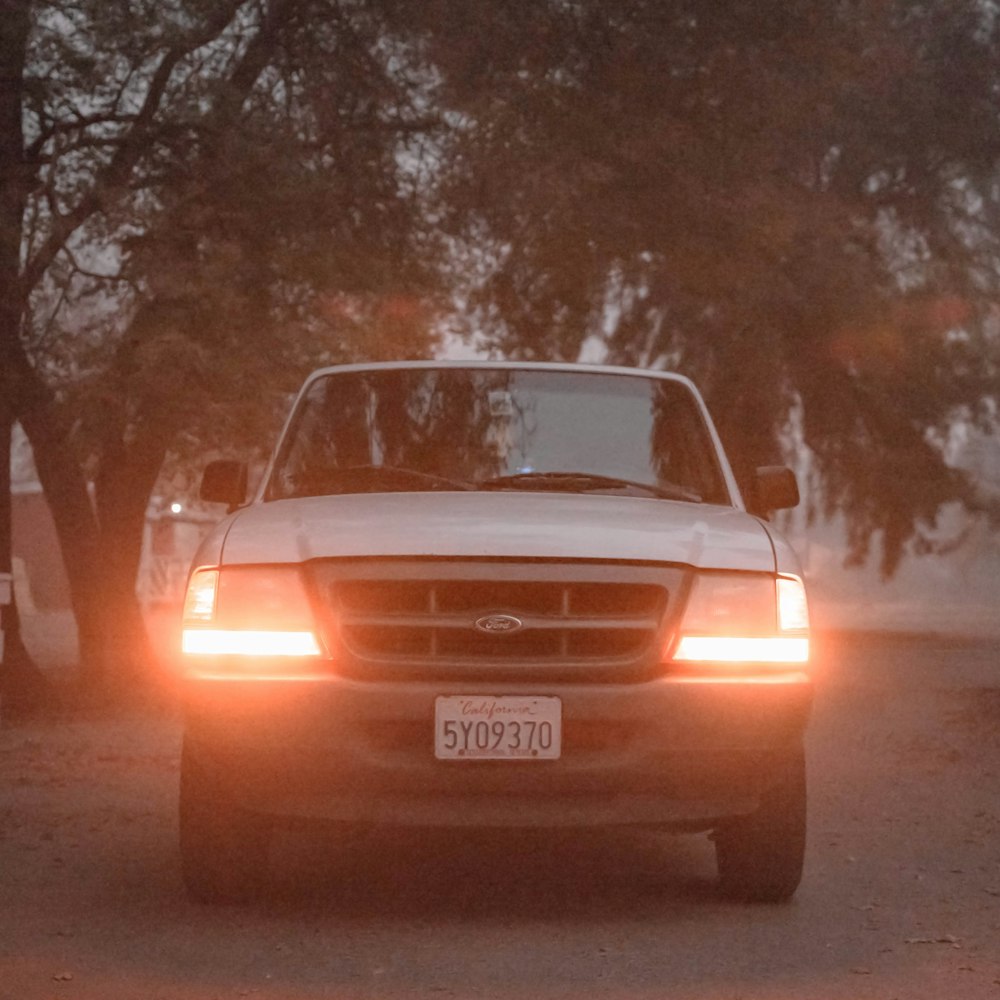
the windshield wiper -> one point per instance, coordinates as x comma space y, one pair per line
585, 482
373, 479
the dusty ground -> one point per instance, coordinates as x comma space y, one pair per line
901, 897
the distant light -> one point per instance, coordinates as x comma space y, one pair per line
176, 508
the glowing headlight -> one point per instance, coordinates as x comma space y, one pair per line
249, 611
248, 642
744, 618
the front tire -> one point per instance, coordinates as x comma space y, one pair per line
224, 848
760, 856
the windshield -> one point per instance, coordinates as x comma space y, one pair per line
458, 428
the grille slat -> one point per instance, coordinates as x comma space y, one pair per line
390, 620
431, 621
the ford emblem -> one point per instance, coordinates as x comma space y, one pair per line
497, 624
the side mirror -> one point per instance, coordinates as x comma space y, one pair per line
224, 481
774, 488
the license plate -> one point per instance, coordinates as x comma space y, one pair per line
478, 727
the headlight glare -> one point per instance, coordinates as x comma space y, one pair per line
249, 611
744, 619
248, 642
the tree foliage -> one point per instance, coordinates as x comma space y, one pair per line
795, 203
210, 198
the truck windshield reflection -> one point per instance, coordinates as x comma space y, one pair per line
461, 429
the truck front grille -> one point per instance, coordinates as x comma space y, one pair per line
419, 618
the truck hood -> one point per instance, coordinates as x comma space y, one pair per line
519, 525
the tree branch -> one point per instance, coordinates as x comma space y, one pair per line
128, 154
33, 152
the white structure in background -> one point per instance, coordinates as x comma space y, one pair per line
171, 535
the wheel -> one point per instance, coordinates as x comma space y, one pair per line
223, 847
760, 855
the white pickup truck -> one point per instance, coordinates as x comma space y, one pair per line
496, 595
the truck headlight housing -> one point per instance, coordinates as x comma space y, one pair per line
249, 613
744, 618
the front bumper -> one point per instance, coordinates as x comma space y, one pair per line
675, 752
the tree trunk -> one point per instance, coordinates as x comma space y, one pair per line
24, 686
72, 513
122, 490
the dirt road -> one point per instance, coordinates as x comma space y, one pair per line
901, 897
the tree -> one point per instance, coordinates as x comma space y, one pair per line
793, 202
225, 176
